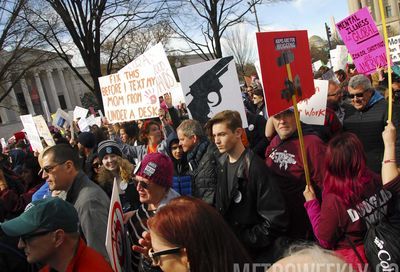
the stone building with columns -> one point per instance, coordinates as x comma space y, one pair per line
42, 90
391, 8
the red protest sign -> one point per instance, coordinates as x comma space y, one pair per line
275, 49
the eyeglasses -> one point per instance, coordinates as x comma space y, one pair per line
49, 168
25, 238
358, 95
142, 184
155, 256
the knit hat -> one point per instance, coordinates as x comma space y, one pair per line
156, 167
20, 135
87, 139
51, 213
108, 147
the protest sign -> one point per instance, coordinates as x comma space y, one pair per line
339, 57
83, 125
316, 65
43, 130
312, 110
362, 39
258, 69
61, 119
91, 120
275, 49
394, 46
211, 87
80, 113
3, 144
115, 237
31, 132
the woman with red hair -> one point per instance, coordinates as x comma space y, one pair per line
190, 235
351, 195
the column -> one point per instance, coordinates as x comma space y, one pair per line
27, 96
363, 3
64, 88
11, 101
76, 91
377, 13
4, 115
53, 89
395, 7
42, 96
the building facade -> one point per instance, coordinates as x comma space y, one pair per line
41, 90
391, 8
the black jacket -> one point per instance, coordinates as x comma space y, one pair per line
203, 168
368, 125
260, 215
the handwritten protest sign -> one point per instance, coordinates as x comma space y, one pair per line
365, 44
31, 132
80, 112
115, 237
274, 48
312, 110
43, 130
394, 46
316, 65
133, 92
210, 87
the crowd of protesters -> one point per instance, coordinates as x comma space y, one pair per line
209, 198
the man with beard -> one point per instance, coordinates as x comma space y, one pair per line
334, 101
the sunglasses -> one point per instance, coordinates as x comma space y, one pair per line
142, 184
358, 95
25, 238
155, 256
49, 168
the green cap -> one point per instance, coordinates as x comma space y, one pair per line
48, 214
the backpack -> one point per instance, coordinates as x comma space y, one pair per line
382, 240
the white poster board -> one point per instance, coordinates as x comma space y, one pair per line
43, 130
339, 57
83, 125
61, 119
211, 87
31, 132
312, 110
316, 65
80, 112
133, 93
394, 46
115, 237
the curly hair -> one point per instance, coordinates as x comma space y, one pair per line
125, 172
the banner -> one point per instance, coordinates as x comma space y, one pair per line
211, 87
362, 39
312, 110
80, 113
133, 93
275, 49
394, 46
43, 130
115, 238
31, 132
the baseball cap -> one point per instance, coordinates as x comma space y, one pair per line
50, 214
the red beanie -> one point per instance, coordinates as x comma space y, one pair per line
158, 168
19, 136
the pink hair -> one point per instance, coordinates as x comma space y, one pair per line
346, 172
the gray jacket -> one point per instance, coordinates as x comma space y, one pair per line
92, 204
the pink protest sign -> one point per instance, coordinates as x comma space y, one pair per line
362, 39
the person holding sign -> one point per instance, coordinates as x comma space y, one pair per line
150, 134
366, 117
283, 158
